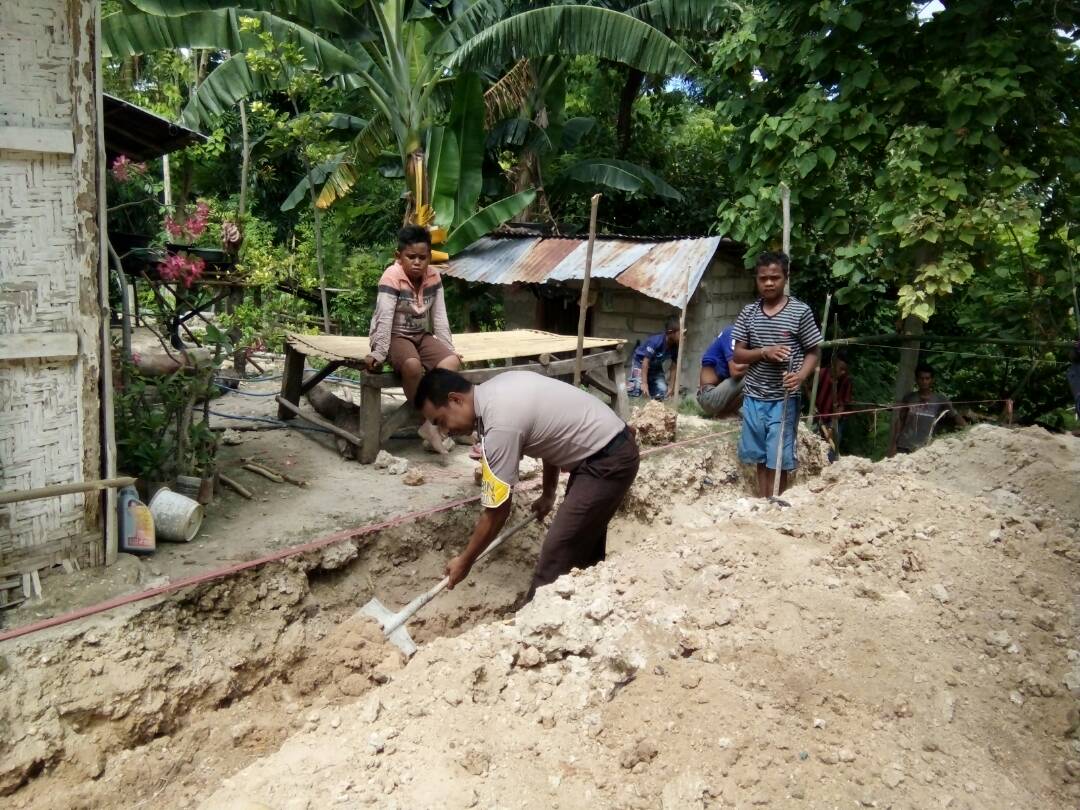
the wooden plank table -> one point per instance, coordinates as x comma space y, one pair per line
485, 355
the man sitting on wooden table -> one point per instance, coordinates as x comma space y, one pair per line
523, 413
409, 325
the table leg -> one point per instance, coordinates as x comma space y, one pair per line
234, 301
291, 380
370, 422
621, 401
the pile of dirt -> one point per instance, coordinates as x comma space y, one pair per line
902, 636
708, 470
654, 423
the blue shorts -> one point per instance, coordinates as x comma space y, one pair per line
761, 432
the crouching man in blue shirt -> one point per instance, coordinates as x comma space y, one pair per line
720, 382
647, 373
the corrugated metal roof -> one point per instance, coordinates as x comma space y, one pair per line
667, 270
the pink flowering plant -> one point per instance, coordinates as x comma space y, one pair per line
181, 268
125, 170
191, 227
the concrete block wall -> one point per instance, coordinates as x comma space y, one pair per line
620, 312
624, 313
724, 290
520, 309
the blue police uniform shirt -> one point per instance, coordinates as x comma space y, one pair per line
656, 349
720, 353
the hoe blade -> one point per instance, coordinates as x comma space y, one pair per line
399, 636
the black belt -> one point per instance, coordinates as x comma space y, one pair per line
620, 437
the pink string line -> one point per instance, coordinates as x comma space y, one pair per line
337, 537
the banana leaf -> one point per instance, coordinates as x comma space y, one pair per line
620, 175
488, 219
573, 31
324, 15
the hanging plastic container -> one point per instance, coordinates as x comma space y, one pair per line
136, 527
176, 517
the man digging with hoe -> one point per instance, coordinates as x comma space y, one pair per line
522, 413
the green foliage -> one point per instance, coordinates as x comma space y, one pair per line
156, 436
906, 151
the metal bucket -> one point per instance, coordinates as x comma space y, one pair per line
176, 517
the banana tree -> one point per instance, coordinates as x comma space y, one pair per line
400, 54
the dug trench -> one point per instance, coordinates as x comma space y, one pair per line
154, 707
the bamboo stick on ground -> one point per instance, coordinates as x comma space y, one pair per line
265, 473
235, 486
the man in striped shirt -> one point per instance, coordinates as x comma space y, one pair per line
776, 335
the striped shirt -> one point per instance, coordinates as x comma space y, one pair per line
401, 309
793, 326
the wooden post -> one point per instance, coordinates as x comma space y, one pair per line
785, 212
817, 371
583, 304
108, 419
370, 422
682, 350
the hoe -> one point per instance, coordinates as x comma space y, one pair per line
393, 624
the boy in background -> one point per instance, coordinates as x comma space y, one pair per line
409, 325
916, 420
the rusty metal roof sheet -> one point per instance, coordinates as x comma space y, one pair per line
667, 270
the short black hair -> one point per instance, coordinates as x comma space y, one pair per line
671, 325
436, 387
924, 368
838, 356
770, 257
413, 235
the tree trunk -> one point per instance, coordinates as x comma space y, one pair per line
166, 179
625, 124
909, 358
523, 180
318, 241
245, 160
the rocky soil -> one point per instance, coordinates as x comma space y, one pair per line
901, 635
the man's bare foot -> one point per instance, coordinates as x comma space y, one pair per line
434, 438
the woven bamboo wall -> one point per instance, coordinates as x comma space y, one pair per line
49, 405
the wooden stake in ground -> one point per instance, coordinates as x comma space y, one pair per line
583, 304
675, 383
785, 213
817, 371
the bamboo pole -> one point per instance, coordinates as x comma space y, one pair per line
785, 213
817, 371
57, 490
583, 303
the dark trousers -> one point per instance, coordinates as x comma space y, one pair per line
577, 537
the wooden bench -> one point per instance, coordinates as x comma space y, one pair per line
485, 355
